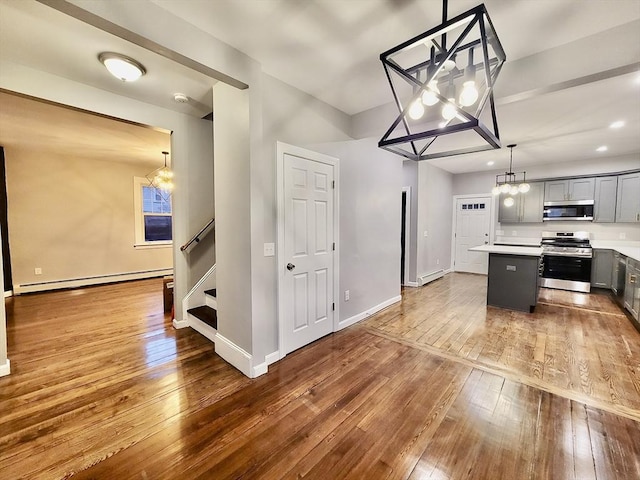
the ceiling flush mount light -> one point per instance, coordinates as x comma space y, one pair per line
162, 178
507, 183
490, 162
443, 89
617, 124
602, 148
122, 67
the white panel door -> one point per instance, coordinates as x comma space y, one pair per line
308, 251
473, 217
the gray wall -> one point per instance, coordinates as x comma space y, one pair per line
370, 209
410, 179
435, 213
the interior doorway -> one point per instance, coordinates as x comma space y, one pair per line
405, 236
4, 228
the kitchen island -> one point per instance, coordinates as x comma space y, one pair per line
513, 279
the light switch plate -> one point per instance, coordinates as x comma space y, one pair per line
269, 249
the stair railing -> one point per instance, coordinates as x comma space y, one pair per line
203, 232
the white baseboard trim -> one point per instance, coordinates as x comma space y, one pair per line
8, 293
237, 357
202, 328
87, 281
361, 316
5, 368
178, 324
262, 368
411, 284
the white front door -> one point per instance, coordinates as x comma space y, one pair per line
473, 223
306, 262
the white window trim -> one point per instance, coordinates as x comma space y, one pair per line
138, 183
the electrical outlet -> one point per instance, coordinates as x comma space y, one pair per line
514, 233
438, 261
623, 236
499, 233
346, 295
38, 271
426, 233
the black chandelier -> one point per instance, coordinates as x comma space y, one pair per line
442, 90
507, 183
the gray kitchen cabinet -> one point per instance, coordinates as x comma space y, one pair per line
527, 207
513, 281
628, 200
605, 199
632, 288
571, 189
602, 268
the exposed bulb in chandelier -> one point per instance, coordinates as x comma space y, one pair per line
513, 190
429, 97
524, 187
469, 94
495, 190
505, 187
449, 111
416, 110
509, 201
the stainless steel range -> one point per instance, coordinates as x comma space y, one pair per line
566, 261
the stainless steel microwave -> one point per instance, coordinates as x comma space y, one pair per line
568, 210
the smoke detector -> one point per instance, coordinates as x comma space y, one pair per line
180, 98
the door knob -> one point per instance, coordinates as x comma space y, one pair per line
290, 266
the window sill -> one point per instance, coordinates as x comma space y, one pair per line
144, 246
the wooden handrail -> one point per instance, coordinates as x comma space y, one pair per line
200, 235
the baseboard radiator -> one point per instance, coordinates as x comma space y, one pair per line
88, 281
430, 277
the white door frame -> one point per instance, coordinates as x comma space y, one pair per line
491, 201
281, 150
407, 235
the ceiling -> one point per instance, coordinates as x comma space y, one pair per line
330, 49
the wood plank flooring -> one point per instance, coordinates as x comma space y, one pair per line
437, 386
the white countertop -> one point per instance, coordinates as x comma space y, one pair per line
508, 250
628, 249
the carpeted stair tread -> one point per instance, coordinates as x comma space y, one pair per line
205, 314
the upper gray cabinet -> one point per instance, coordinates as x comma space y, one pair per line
527, 207
628, 201
572, 189
605, 199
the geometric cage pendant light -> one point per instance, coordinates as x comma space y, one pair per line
444, 91
508, 184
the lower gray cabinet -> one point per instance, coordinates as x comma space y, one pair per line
632, 288
513, 281
602, 268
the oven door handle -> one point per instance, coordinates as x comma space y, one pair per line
567, 254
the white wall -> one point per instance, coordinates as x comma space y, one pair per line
74, 217
435, 213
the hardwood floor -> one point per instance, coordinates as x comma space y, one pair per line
437, 386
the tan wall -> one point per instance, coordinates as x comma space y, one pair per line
73, 217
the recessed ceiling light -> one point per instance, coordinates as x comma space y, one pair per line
617, 124
491, 162
602, 148
122, 67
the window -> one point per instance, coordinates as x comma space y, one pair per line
152, 214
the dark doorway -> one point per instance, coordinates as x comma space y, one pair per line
403, 236
4, 225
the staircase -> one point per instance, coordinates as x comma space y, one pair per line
204, 318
